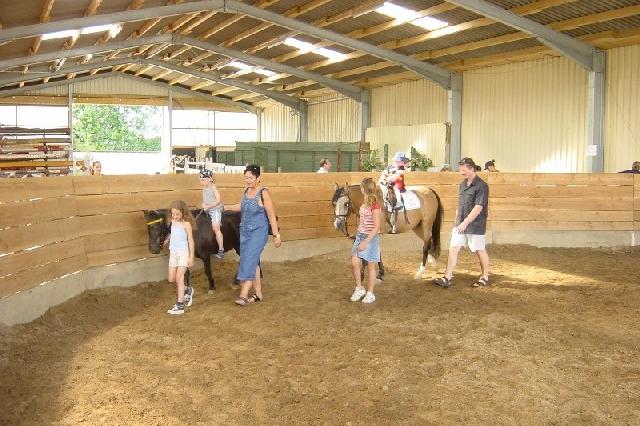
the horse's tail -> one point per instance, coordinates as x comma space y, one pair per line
435, 228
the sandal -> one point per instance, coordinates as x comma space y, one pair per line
242, 301
482, 282
443, 282
254, 298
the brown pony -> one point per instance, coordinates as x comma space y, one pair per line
425, 221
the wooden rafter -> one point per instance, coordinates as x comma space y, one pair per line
143, 69
161, 74
524, 10
213, 30
180, 79
45, 15
202, 84
323, 22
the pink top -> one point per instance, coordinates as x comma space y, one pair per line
366, 218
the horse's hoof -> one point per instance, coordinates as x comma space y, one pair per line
379, 281
211, 291
431, 260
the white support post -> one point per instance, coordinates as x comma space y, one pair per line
70, 119
365, 114
304, 122
597, 80
259, 124
454, 116
170, 108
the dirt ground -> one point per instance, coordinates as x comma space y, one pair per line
554, 340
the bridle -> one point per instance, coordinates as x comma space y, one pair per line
163, 231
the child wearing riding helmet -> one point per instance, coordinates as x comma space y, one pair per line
212, 204
393, 177
367, 243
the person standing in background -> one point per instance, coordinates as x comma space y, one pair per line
325, 165
96, 168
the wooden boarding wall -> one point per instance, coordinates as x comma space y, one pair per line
50, 227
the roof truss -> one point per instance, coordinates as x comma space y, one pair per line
574, 49
67, 81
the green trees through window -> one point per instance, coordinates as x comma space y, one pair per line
116, 128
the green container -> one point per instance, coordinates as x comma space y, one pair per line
297, 157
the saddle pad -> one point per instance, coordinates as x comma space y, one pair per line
411, 200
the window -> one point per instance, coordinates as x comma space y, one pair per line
212, 128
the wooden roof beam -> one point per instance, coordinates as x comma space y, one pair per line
63, 82
26, 31
574, 49
441, 76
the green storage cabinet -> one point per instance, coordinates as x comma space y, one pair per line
297, 157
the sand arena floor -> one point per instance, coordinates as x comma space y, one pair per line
554, 340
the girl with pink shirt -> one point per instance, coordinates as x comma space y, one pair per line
367, 243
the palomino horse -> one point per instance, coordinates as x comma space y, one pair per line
425, 221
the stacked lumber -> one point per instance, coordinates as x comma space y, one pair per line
34, 151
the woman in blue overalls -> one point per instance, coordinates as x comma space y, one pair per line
257, 213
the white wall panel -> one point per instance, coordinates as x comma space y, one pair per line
622, 127
279, 123
429, 139
334, 119
529, 116
107, 86
410, 103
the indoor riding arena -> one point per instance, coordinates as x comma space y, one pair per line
113, 110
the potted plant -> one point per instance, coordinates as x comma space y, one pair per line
371, 162
419, 161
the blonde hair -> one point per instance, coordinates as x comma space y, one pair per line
368, 188
182, 207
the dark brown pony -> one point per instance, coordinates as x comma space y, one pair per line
425, 221
203, 238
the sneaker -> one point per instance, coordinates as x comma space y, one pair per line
177, 309
358, 294
369, 298
220, 255
188, 296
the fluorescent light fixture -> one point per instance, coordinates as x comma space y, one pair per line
264, 72
429, 23
331, 54
398, 12
113, 29
239, 65
306, 47
249, 68
412, 17
60, 34
95, 29
303, 46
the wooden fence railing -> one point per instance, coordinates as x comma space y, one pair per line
50, 227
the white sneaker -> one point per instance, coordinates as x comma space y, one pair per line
177, 309
358, 293
369, 298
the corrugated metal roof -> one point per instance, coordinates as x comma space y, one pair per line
456, 39
580, 8
21, 12
617, 24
